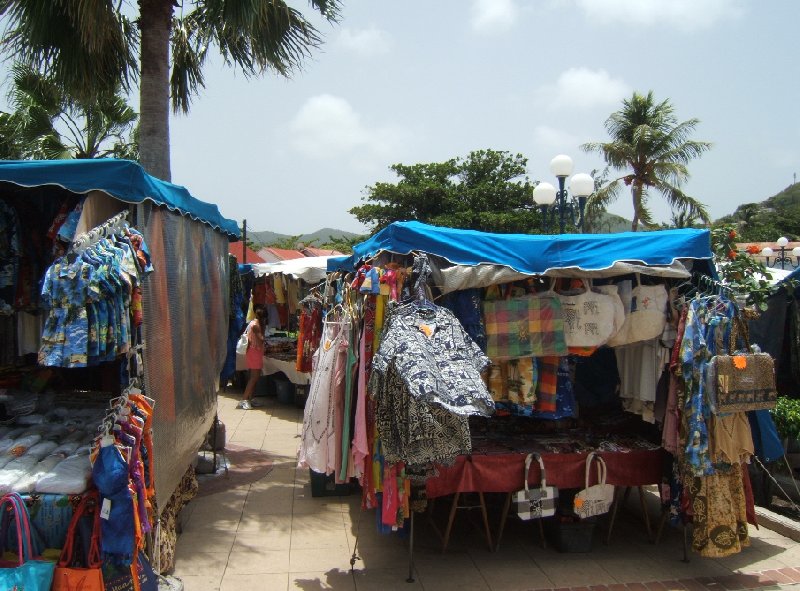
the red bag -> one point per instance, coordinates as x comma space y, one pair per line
75, 573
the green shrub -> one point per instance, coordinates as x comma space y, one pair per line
787, 417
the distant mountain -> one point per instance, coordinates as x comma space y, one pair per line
323, 236
770, 219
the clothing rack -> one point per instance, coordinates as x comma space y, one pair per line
111, 225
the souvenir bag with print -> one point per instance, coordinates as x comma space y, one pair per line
647, 316
588, 317
597, 498
537, 502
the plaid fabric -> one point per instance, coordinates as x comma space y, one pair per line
548, 384
523, 327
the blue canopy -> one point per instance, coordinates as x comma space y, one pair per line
123, 179
532, 254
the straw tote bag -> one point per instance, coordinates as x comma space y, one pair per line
598, 498
588, 317
647, 317
539, 502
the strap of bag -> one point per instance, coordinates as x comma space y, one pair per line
601, 470
541, 467
589, 459
67, 553
738, 329
528, 460
12, 506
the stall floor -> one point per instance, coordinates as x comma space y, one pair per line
261, 529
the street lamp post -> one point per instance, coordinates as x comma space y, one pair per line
782, 242
581, 186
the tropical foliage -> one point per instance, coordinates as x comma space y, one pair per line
488, 190
92, 46
746, 277
652, 149
767, 221
47, 124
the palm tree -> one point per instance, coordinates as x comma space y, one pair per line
88, 45
47, 124
647, 139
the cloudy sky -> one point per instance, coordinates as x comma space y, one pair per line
424, 81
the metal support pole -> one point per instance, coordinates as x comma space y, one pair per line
410, 578
562, 204
244, 242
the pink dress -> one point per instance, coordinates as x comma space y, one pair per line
255, 355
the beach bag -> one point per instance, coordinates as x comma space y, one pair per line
742, 383
120, 578
243, 342
619, 308
523, 327
598, 498
647, 316
538, 502
75, 573
588, 317
25, 573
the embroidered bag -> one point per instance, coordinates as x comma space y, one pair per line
598, 498
539, 502
588, 317
522, 327
647, 316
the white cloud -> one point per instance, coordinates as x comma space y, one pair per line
328, 127
686, 15
365, 41
549, 141
582, 88
493, 15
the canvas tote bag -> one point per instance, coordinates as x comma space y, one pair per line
647, 316
539, 502
588, 317
598, 498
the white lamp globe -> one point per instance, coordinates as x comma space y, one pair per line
544, 194
581, 185
783, 241
767, 251
796, 251
561, 165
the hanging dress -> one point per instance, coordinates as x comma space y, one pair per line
322, 418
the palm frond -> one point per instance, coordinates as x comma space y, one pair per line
189, 51
677, 199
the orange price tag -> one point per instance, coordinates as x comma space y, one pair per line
740, 362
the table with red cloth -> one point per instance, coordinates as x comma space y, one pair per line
503, 472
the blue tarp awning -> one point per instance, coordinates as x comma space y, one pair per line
122, 179
532, 254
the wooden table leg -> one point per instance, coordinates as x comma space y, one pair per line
645, 514
614, 507
485, 521
503, 517
449, 527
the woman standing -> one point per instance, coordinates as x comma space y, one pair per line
254, 357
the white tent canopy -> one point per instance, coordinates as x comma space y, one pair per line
309, 269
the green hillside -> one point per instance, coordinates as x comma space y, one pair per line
319, 238
777, 216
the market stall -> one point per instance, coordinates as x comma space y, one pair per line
114, 290
459, 354
286, 290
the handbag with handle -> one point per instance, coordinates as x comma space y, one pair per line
26, 573
538, 502
76, 573
526, 326
597, 498
741, 382
243, 342
588, 317
647, 316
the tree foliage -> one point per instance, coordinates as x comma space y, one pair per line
767, 221
46, 123
653, 149
488, 190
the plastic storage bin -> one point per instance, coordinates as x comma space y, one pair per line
571, 536
285, 391
324, 486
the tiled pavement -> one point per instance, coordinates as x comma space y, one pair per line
272, 535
